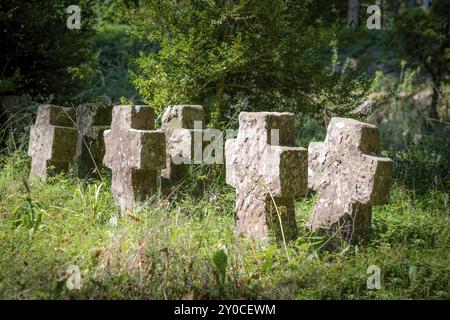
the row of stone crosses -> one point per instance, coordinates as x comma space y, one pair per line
345, 170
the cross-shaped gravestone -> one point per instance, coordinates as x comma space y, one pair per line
349, 178
178, 125
53, 140
92, 121
134, 153
267, 170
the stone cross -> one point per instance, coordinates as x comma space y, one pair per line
134, 153
92, 121
178, 125
349, 178
267, 170
53, 140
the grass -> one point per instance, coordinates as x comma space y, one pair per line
186, 248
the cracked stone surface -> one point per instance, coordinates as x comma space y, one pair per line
349, 177
266, 168
134, 153
53, 140
92, 121
178, 125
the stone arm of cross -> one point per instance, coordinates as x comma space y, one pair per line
285, 170
142, 150
375, 186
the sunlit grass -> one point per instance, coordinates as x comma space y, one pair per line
166, 249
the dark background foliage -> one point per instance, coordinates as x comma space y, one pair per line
38, 50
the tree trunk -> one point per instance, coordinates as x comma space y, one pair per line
426, 5
353, 13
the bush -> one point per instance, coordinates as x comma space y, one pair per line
108, 80
218, 53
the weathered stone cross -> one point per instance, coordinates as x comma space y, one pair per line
349, 178
53, 140
266, 168
178, 124
134, 153
92, 121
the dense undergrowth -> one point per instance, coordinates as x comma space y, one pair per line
185, 248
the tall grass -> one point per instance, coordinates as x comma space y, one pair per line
186, 248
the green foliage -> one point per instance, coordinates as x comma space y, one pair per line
176, 249
107, 79
40, 55
220, 261
422, 39
111, 12
271, 54
419, 147
425, 163
9, 84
